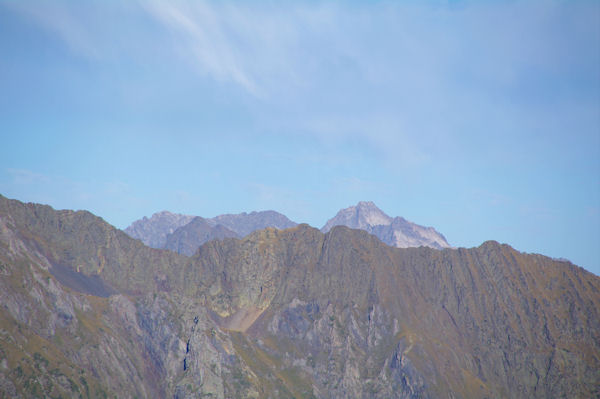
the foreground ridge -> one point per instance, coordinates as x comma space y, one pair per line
285, 313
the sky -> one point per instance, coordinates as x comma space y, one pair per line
481, 119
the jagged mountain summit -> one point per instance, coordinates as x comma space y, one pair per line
89, 311
153, 231
176, 232
184, 233
396, 231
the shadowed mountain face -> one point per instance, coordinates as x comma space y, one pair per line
245, 223
397, 231
292, 313
186, 239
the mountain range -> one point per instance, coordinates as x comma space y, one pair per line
88, 311
184, 234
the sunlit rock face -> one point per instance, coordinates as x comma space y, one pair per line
285, 314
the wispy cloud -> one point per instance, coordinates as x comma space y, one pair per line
269, 50
103, 197
38, 186
413, 82
202, 33
64, 20
388, 136
26, 177
293, 202
491, 198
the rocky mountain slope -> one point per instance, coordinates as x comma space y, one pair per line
87, 310
397, 231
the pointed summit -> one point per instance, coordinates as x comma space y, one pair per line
397, 231
362, 216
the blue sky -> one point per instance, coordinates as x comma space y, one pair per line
481, 119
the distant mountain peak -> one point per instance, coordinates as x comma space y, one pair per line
360, 216
186, 239
185, 233
369, 213
397, 231
153, 231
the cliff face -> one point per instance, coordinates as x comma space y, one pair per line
131, 338
292, 313
367, 320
